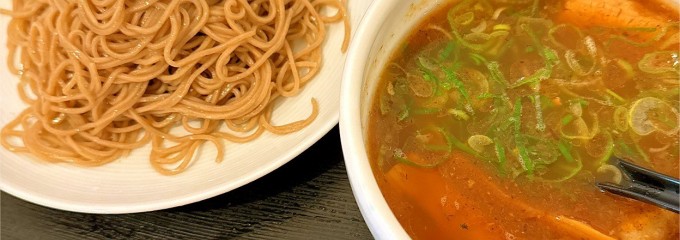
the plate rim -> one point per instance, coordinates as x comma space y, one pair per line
321, 129
170, 202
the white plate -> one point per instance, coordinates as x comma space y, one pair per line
131, 185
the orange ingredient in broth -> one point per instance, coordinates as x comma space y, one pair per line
466, 195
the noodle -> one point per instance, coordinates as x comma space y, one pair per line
105, 77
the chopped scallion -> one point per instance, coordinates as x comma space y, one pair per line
567, 119
615, 96
505, 27
500, 153
565, 151
446, 52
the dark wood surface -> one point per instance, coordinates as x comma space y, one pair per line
308, 198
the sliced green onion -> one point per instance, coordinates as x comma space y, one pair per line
657, 37
525, 160
487, 95
534, 7
564, 150
517, 115
437, 147
620, 118
413, 143
576, 108
553, 30
624, 150
466, 44
477, 37
615, 96
650, 114
446, 85
478, 59
490, 40
481, 27
427, 66
500, 153
604, 168
572, 171
642, 153
478, 142
505, 27
457, 83
497, 13
599, 145
454, 16
423, 86
464, 19
609, 149
540, 124
582, 130
573, 63
463, 5
550, 56
581, 102
501, 47
460, 145
539, 75
567, 119
589, 42
626, 67
659, 62
496, 74
403, 114
459, 114
448, 49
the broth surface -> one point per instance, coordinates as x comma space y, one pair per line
495, 119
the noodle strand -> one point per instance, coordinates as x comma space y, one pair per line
104, 77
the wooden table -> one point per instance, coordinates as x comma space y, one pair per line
308, 198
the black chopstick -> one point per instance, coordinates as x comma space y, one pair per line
644, 185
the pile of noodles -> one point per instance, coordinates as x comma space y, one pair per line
104, 77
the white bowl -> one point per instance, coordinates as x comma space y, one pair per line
385, 24
130, 184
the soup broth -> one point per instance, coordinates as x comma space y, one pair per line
495, 118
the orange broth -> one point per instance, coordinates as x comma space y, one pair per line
556, 95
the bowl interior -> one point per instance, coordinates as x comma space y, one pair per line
385, 25
395, 28
381, 31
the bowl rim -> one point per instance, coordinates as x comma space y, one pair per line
378, 216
